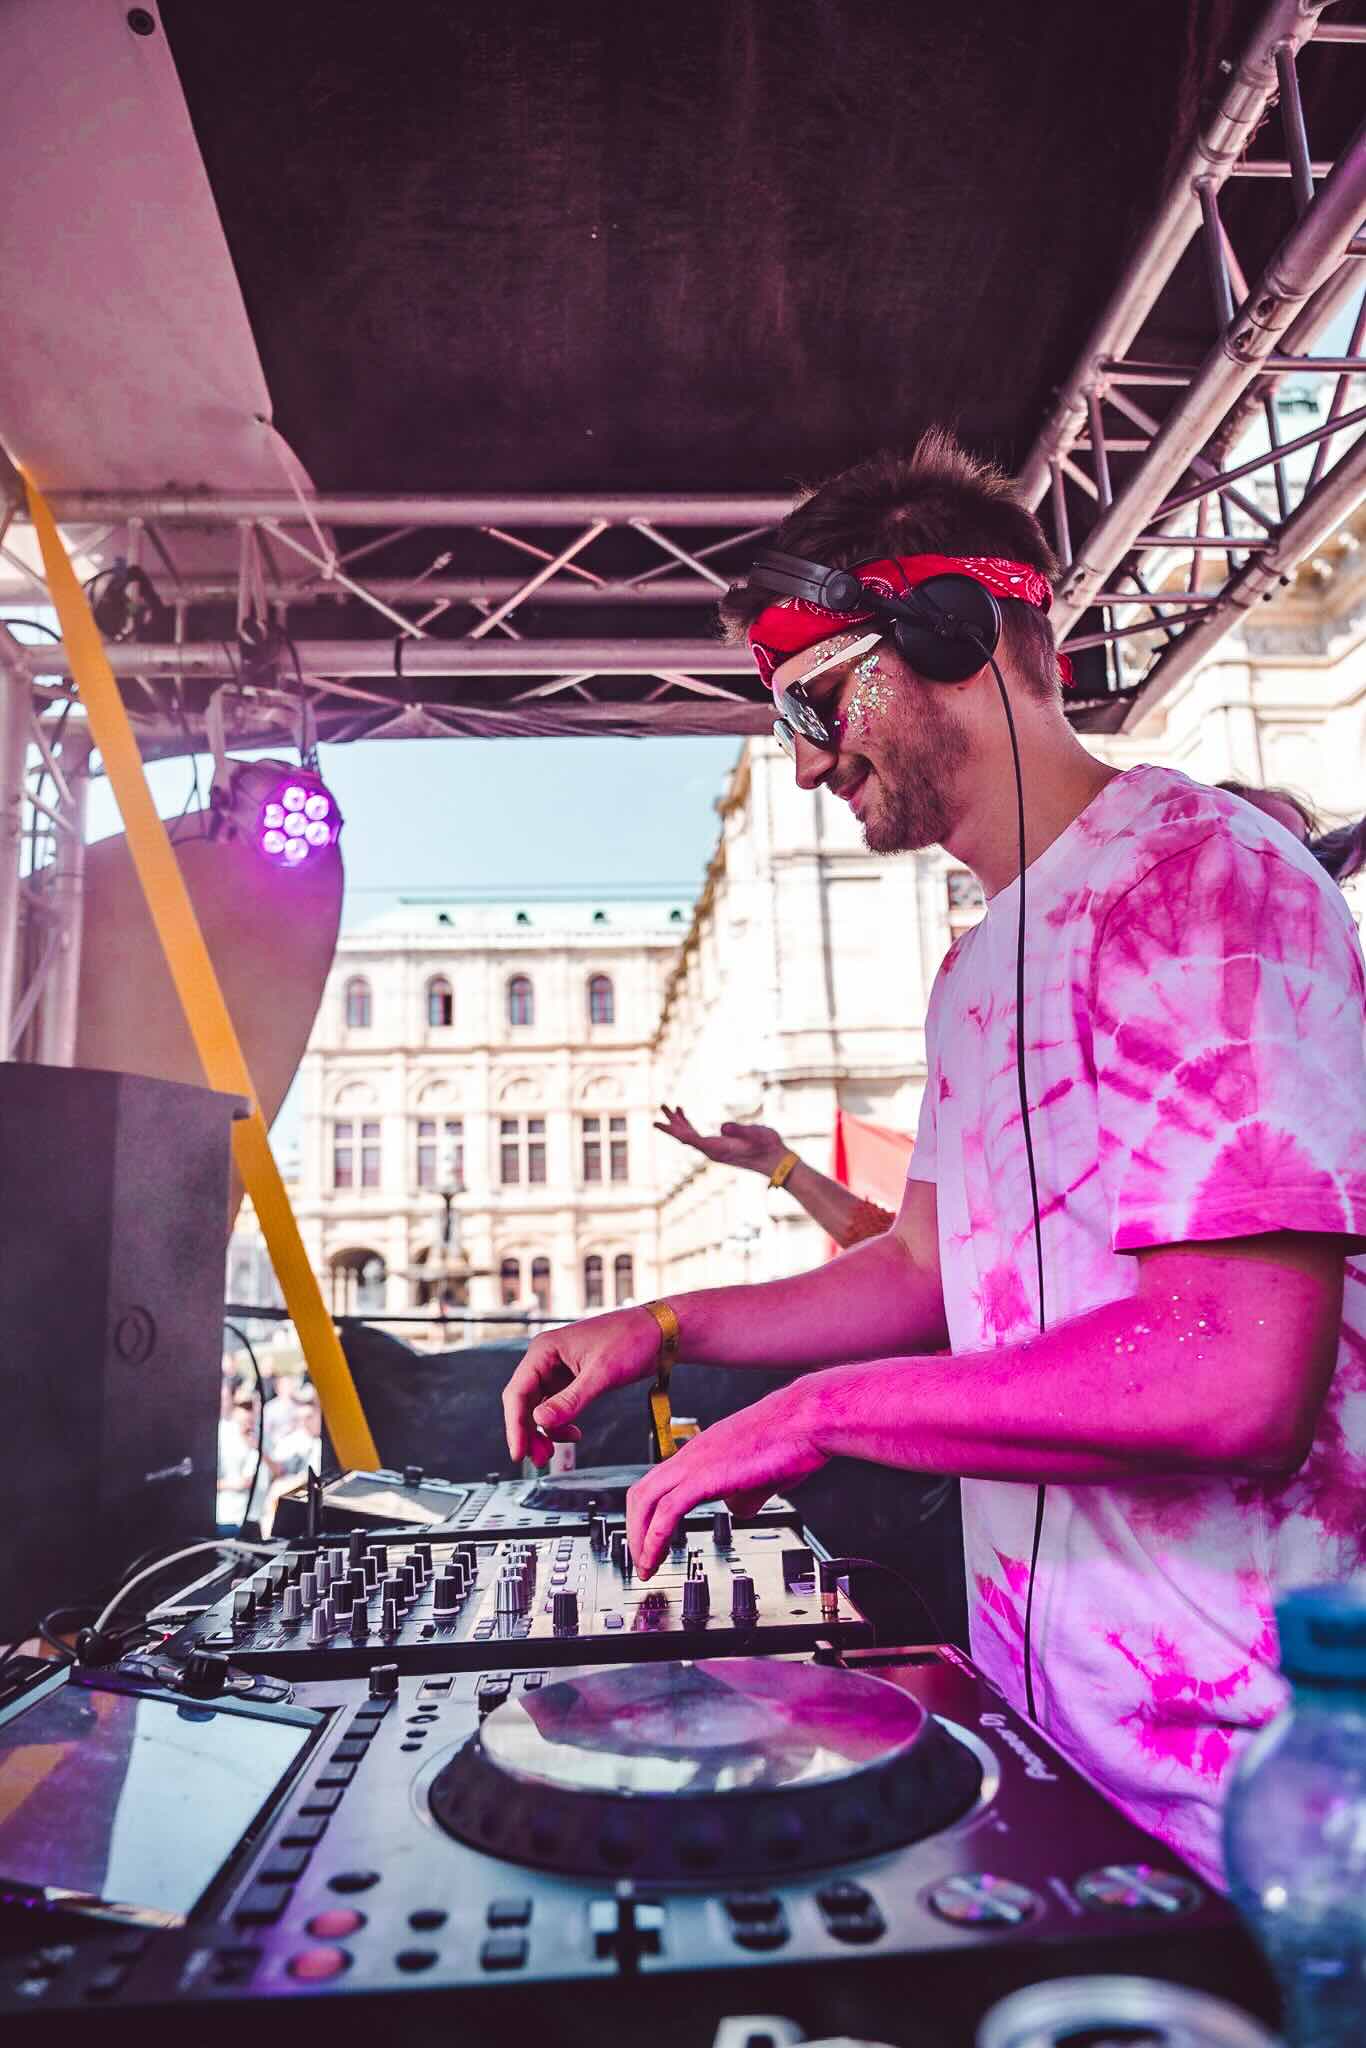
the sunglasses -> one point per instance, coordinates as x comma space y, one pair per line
799, 714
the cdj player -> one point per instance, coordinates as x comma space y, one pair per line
562, 1503
437, 1604
872, 1844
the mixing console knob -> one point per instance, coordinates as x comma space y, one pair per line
295, 1565
620, 1548
243, 1604
341, 1594
395, 1588
370, 1566
277, 1576
322, 1571
407, 1582
459, 1571
593, 1509
359, 1580
720, 1529
564, 1612
292, 1606
696, 1602
510, 1595
307, 1589
424, 1551
320, 1623
744, 1605
678, 1542
355, 1546
384, 1682
390, 1615
360, 1621
340, 1562
597, 1535
447, 1592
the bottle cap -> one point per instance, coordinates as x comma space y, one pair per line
1323, 1634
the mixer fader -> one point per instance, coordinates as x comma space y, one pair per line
429, 1605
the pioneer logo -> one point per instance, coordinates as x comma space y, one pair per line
1035, 1767
181, 1471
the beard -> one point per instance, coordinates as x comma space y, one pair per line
920, 757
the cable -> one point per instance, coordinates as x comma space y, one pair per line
1029, 1155
261, 1397
38, 624
837, 1568
228, 1546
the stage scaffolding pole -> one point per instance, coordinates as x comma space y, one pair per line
15, 700
63, 892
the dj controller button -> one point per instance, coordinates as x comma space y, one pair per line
352, 1880
318, 1965
757, 1920
982, 1900
503, 1952
412, 1960
321, 1801
262, 1904
427, 1919
510, 1912
1137, 1888
336, 1775
105, 1982
701, 1846
431, 1686
284, 1866
349, 1752
304, 1832
335, 1923
234, 1965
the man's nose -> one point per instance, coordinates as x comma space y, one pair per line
814, 763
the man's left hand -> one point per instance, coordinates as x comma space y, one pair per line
742, 1460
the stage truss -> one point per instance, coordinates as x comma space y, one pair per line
1177, 500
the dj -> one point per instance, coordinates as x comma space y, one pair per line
1158, 1333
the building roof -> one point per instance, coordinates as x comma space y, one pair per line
469, 920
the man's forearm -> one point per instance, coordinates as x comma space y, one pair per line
870, 1302
1199, 1380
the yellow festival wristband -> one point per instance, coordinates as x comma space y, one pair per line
661, 1413
778, 1177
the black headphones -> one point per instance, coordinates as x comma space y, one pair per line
946, 628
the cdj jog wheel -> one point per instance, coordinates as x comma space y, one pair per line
608, 1485
672, 1771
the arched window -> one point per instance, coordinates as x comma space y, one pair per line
358, 1003
521, 1002
510, 1282
540, 1284
602, 1005
592, 1281
624, 1277
440, 1002
358, 1282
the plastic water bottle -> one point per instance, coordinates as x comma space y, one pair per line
1295, 1822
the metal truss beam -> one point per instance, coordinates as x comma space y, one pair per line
170, 508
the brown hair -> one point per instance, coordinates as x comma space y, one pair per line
937, 500
1252, 793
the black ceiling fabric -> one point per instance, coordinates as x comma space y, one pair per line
729, 246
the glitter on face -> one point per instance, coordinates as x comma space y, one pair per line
873, 696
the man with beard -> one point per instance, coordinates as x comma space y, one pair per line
1169, 1356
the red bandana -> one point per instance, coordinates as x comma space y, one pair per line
793, 624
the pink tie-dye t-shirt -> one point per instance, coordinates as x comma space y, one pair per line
1196, 1061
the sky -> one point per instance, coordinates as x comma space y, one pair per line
423, 815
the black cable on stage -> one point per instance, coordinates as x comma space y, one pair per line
262, 1397
1029, 1155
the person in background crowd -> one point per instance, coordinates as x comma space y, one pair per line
1283, 805
238, 1440
1341, 851
755, 1148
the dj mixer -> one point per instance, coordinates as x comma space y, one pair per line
871, 1841
441, 1604
558, 1503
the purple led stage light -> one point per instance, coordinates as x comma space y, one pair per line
297, 819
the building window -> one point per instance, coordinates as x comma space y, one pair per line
510, 1282
369, 1155
602, 1006
521, 1150
592, 1148
521, 1001
592, 1281
616, 1131
440, 1003
358, 1003
965, 900
540, 1284
441, 1152
343, 1155
624, 1277
358, 1283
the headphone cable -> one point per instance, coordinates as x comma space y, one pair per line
1029, 1156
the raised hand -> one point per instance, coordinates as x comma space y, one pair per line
752, 1148
565, 1370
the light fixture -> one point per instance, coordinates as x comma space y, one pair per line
288, 814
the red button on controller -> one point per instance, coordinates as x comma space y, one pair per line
336, 1923
316, 1965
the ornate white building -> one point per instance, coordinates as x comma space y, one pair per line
493, 1061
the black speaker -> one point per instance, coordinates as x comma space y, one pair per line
113, 1225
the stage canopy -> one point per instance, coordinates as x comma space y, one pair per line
359, 321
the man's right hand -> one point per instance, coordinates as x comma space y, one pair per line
565, 1370
753, 1148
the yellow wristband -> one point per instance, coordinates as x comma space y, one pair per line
778, 1177
668, 1340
